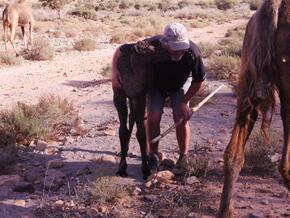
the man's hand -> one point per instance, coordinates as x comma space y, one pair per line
185, 111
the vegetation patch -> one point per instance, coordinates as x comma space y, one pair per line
8, 59
225, 4
85, 45
40, 51
106, 189
49, 118
258, 152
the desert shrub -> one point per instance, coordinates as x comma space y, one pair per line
106, 189
198, 165
47, 119
225, 4
55, 4
40, 51
258, 152
85, 45
255, 4
106, 71
85, 11
8, 59
224, 67
207, 49
2, 4
205, 3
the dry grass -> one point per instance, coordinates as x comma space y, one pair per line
85, 11
224, 67
85, 45
49, 118
198, 165
258, 151
40, 51
106, 189
208, 49
8, 59
106, 71
225, 4
254, 4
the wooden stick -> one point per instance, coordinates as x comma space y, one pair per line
194, 109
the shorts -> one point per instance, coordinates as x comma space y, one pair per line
155, 99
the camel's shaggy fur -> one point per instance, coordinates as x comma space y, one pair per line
136, 72
265, 69
17, 14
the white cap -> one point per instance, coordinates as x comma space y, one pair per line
176, 37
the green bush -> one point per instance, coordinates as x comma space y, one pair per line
85, 45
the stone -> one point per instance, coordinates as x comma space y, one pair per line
256, 215
20, 203
93, 212
34, 174
191, 180
23, 187
9, 179
40, 145
56, 163
58, 203
51, 150
265, 202
161, 176
151, 197
106, 158
275, 158
137, 191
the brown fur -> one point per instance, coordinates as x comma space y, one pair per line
265, 69
17, 14
135, 67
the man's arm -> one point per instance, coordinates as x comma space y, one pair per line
185, 110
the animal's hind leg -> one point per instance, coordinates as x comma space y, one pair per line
12, 37
5, 27
284, 167
137, 106
124, 134
234, 157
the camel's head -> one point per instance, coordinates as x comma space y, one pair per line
151, 52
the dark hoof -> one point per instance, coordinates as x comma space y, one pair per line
122, 173
146, 172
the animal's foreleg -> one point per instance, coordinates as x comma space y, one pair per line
284, 167
31, 33
139, 111
5, 35
23, 35
12, 37
124, 135
234, 158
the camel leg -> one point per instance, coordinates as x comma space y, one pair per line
31, 33
137, 106
23, 35
234, 158
284, 167
5, 35
124, 134
12, 36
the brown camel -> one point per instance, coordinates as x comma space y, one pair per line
265, 69
136, 74
17, 14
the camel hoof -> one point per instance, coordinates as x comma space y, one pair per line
121, 173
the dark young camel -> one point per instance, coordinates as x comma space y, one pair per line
135, 67
17, 14
265, 69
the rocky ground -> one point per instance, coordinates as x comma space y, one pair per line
51, 179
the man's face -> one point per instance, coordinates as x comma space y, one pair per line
176, 55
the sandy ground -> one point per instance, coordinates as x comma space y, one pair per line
76, 76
